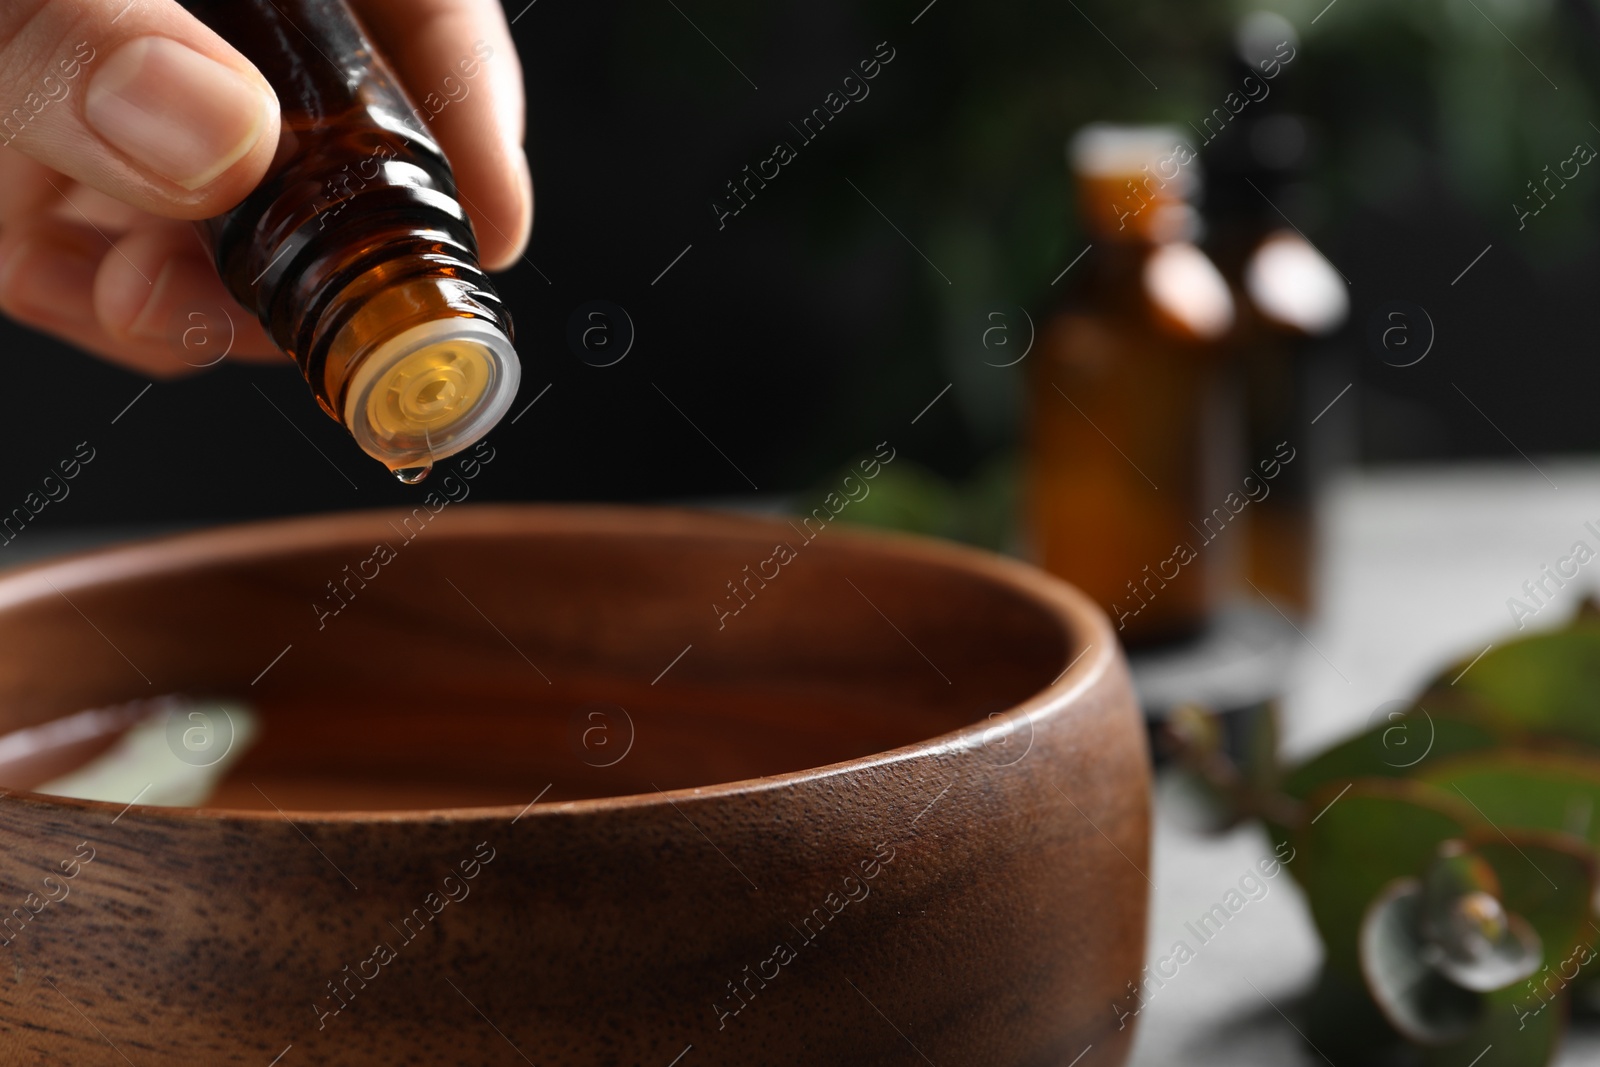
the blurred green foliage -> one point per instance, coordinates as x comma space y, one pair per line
980, 510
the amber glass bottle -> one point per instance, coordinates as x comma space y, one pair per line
1288, 297
355, 252
1125, 436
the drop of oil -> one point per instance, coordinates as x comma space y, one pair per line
413, 475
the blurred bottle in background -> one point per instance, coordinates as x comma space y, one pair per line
1287, 295
1127, 432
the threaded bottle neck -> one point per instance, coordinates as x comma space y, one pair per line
356, 248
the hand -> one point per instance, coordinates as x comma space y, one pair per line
119, 120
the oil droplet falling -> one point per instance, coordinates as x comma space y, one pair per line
413, 475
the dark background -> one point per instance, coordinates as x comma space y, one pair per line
809, 329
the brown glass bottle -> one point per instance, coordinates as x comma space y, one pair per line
354, 251
1123, 430
1288, 297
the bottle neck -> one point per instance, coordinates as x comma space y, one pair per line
361, 196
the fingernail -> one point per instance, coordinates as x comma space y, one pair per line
176, 112
160, 314
46, 281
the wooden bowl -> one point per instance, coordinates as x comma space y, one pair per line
536, 792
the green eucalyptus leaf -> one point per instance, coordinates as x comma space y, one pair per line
1503, 1038
977, 510
1547, 683
904, 497
1394, 748
1358, 842
1422, 1004
1526, 789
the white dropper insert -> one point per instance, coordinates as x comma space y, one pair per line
431, 391
1137, 162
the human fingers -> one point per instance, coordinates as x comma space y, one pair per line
141, 101
457, 61
151, 301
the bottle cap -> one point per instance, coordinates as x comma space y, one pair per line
1135, 181
430, 391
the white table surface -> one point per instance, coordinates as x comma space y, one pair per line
1418, 564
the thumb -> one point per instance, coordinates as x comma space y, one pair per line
136, 98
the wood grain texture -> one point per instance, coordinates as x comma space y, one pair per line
819, 848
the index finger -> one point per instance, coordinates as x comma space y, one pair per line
459, 66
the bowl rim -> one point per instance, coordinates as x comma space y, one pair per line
1084, 625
